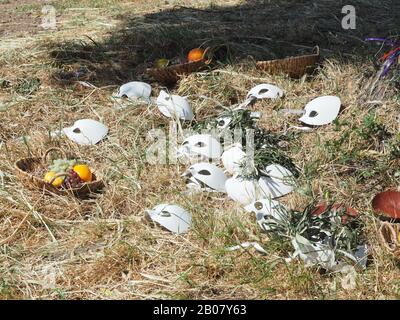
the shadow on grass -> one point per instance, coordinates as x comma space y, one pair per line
255, 30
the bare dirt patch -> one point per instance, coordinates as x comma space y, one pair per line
20, 17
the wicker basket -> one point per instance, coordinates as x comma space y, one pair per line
295, 67
26, 168
171, 74
389, 234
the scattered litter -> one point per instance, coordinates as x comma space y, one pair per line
321, 111
301, 128
172, 217
174, 106
313, 253
87, 84
86, 132
135, 90
326, 239
349, 277
205, 176
265, 91
245, 245
361, 255
200, 147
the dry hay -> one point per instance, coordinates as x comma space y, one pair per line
61, 247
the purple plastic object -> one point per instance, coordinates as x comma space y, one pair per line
392, 58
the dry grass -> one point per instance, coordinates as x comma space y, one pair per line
102, 248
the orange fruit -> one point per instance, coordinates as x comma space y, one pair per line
57, 182
83, 172
195, 54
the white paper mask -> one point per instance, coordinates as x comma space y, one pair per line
208, 174
223, 122
172, 217
278, 183
267, 209
86, 132
135, 90
202, 146
232, 157
265, 91
321, 111
242, 190
174, 106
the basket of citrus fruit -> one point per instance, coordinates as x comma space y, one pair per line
60, 176
166, 72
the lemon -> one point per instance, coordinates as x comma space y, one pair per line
57, 182
161, 63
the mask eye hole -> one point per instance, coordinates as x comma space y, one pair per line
313, 114
200, 144
205, 172
164, 213
258, 205
76, 130
262, 91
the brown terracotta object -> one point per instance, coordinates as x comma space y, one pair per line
387, 203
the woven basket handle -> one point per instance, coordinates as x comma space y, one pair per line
58, 175
316, 50
389, 236
44, 159
207, 55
